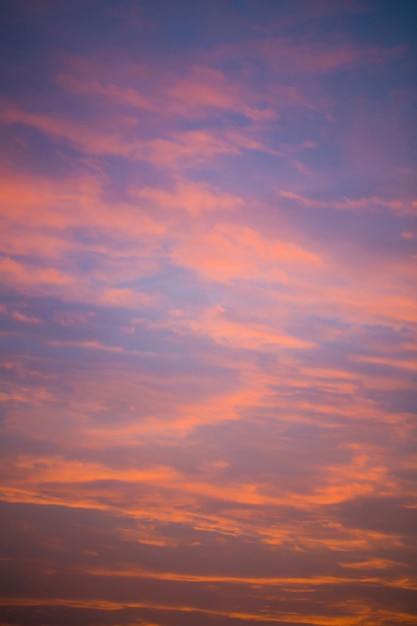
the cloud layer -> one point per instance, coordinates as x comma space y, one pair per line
208, 315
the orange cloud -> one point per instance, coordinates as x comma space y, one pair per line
197, 369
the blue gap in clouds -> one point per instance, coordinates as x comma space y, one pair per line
388, 23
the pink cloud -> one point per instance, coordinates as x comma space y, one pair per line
195, 198
229, 251
352, 204
209, 338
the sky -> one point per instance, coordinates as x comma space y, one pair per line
208, 313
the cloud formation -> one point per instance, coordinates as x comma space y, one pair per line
208, 315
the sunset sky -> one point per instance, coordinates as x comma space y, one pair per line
208, 313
